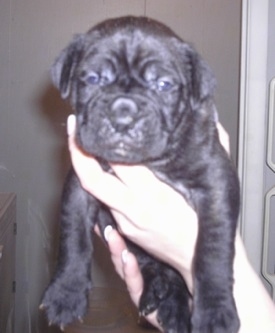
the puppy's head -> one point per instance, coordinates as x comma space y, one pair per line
133, 84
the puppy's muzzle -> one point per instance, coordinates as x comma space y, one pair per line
123, 114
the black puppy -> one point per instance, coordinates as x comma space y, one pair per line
143, 96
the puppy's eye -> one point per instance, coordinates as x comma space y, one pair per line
93, 78
104, 80
164, 85
101, 80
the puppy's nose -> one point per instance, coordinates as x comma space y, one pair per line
123, 112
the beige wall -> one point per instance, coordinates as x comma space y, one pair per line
33, 156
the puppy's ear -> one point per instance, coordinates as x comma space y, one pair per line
203, 82
63, 69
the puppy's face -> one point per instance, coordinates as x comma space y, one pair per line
132, 83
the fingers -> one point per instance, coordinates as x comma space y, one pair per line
116, 246
132, 276
124, 193
128, 175
127, 267
125, 263
134, 282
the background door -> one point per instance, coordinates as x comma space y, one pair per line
257, 137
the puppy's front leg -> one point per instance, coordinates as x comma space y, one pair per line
214, 307
66, 297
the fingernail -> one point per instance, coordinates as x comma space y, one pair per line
107, 231
71, 124
124, 255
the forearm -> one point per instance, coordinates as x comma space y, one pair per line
255, 307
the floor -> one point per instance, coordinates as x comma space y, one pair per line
110, 311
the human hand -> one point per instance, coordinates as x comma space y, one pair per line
147, 210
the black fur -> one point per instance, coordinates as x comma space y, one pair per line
143, 96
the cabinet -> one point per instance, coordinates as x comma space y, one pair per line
7, 261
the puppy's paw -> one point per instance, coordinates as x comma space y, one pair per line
171, 300
154, 292
64, 303
218, 319
174, 314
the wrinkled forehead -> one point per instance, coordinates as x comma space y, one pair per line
135, 48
